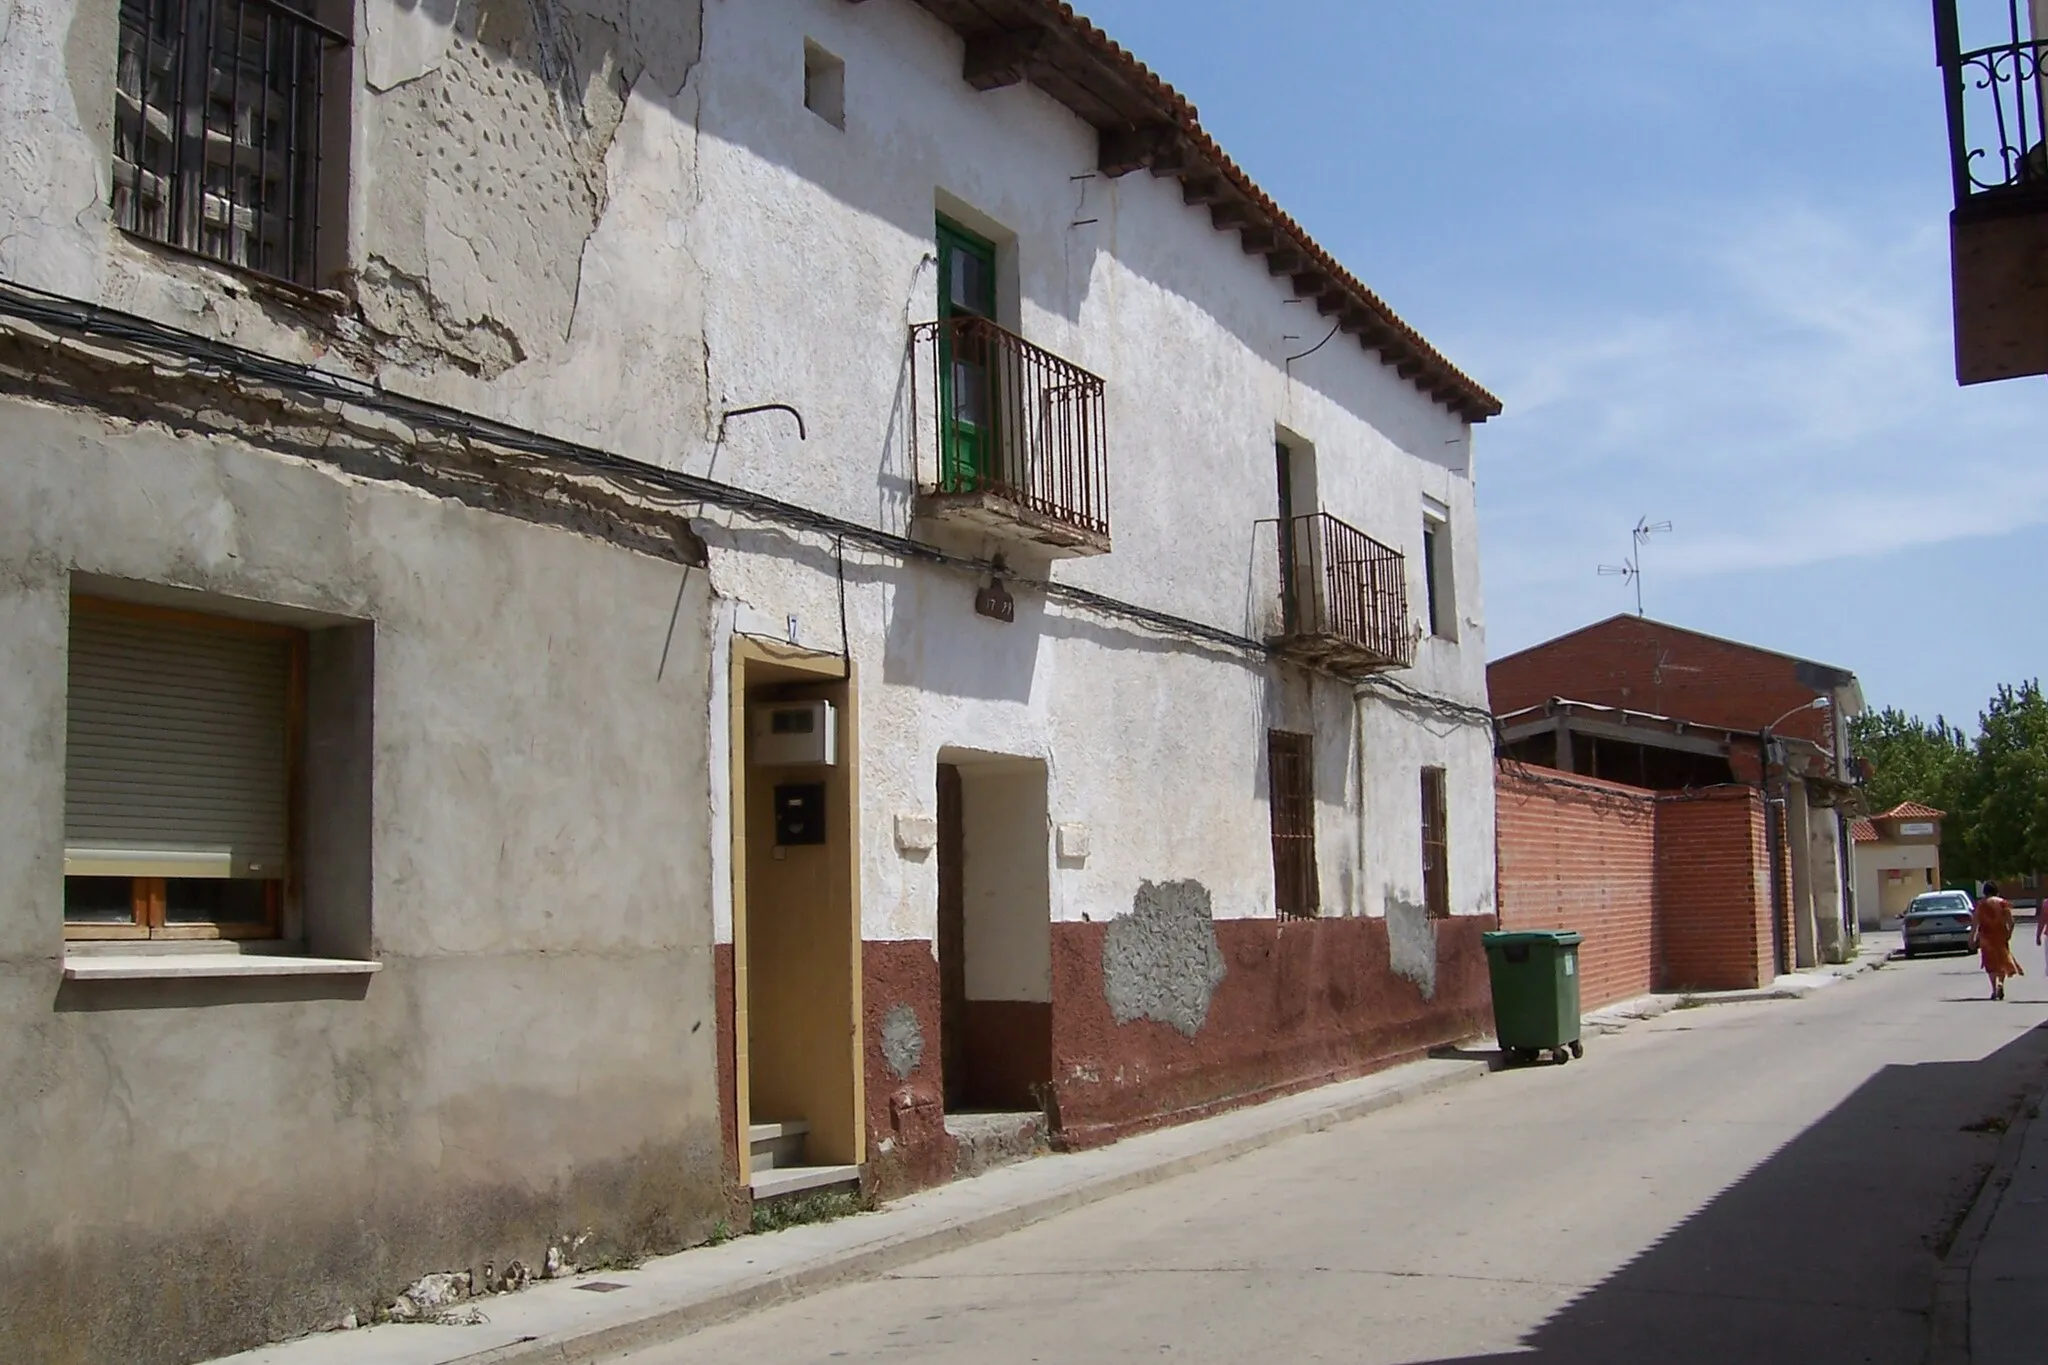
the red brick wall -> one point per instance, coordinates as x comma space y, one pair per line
1647, 666
1576, 853
1713, 890
1671, 891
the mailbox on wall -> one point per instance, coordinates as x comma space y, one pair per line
800, 813
795, 734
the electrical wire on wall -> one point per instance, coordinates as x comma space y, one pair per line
207, 357
845, 640
1288, 364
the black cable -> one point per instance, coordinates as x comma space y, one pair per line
801, 433
1338, 327
228, 362
845, 641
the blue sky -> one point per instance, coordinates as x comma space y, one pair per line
1699, 248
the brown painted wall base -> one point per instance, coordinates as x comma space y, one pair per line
1300, 1004
1008, 1054
908, 1146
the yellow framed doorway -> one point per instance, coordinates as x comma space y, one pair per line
796, 923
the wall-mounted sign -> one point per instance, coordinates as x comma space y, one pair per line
995, 602
1917, 829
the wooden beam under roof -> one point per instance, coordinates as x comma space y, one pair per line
1004, 57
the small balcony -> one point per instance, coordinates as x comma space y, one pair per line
1991, 63
1010, 438
1343, 599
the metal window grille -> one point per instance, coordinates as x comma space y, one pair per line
1291, 791
217, 129
1436, 863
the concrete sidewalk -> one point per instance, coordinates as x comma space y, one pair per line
587, 1317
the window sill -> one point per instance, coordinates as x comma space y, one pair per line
206, 966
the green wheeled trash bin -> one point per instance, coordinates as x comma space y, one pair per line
1536, 993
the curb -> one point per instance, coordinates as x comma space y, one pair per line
1948, 1317
878, 1259
1624, 1014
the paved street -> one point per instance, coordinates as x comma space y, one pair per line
1763, 1182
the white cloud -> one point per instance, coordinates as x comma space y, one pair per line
1789, 399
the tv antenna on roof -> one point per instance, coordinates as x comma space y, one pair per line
1630, 570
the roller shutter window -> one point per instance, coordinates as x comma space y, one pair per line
177, 770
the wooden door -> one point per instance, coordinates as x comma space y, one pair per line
952, 939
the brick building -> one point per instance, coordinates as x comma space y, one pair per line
1664, 709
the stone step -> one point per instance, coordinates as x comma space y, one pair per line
781, 1181
987, 1141
775, 1146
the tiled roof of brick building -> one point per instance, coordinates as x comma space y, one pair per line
1911, 810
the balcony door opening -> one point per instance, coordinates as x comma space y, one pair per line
995, 933
1294, 465
1010, 439
970, 377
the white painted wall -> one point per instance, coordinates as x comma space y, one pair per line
1873, 860
1156, 745
1007, 885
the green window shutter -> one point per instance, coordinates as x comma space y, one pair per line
967, 273
175, 759
968, 361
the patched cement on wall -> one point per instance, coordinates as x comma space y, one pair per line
902, 1041
1162, 961
1411, 942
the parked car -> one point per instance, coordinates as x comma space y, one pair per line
1939, 922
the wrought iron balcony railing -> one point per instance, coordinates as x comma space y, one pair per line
1015, 441
1344, 598
1996, 110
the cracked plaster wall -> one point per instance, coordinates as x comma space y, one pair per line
522, 180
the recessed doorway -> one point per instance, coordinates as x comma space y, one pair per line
995, 932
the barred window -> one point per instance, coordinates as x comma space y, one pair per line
218, 129
1291, 791
1436, 858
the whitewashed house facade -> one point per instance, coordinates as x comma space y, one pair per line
606, 600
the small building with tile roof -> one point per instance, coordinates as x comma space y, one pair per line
1898, 857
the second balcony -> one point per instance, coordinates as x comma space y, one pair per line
1343, 599
1010, 438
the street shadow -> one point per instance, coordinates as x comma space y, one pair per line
1802, 1260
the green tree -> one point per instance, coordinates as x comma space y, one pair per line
1912, 760
2005, 791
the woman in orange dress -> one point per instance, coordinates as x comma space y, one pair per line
1994, 939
